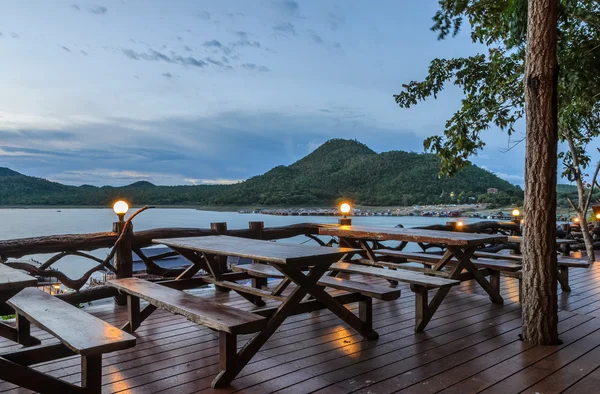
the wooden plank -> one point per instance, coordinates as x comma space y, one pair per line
370, 290
380, 233
399, 275
199, 310
559, 241
11, 278
81, 332
259, 270
500, 265
501, 256
274, 252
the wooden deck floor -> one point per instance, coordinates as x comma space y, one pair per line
470, 346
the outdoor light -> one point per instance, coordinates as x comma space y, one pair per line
576, 220
121, 209
516, 212
598, 216
345, 209
522, 221
459, 224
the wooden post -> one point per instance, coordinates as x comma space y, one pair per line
221, 229
123, 257
345, 222
257, 229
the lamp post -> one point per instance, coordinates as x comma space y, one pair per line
120, 208
516, 213
345, 208
123, 260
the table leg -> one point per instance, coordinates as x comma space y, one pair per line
464, 258
319, 293
275, 320
563, 278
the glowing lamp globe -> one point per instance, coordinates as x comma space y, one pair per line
576, 220
598, 216
516, 212
345, 208
121, 209
459, 225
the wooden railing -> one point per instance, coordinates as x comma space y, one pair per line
122, 245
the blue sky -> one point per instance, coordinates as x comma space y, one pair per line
180, 92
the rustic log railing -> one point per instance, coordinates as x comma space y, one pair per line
122, 244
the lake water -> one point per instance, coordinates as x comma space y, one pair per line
24, 223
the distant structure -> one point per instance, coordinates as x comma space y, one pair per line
492, 190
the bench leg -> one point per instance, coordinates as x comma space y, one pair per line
227, 360
259, 283
563, 278
424, 310
365, 312
520, 290
91, 373
23, 332
495, 281
133, 312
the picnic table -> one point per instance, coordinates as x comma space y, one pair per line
459, 246
301, 264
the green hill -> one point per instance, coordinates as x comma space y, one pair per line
337, 169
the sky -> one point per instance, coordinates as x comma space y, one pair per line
212, 92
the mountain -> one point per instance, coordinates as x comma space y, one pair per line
338, 169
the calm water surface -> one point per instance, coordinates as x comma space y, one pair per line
24, 223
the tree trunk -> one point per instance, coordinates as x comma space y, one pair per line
539, 295
587, 238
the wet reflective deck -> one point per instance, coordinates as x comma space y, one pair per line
471, 345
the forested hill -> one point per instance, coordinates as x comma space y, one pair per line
337, 169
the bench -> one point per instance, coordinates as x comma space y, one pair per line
432, 259
228, 321
419, 283
79, 333
564, 263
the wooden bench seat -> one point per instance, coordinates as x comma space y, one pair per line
370, 290
413, 278
419, 284
79, 333
490, 255
201, 311
492, 264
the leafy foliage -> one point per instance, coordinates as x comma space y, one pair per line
493, 82
338, 169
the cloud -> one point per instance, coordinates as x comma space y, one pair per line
285, 28
173, 58
1, 35
315, 37
231, 145
203, 15
194, 181
289, 8
14, 35
335, 20
219, 63
84, 53
97, 9
255, 67
187, 48
75, 7
233, 14
167, 75
65, 48
213, 44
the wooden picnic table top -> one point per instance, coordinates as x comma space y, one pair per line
266, 251
559, 241
381, 233
11, 278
